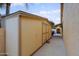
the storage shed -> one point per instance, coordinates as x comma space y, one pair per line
25, 33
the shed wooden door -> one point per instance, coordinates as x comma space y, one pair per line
2, 42
31, 36
47, 34
44, 32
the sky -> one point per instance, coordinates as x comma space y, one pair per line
47, 10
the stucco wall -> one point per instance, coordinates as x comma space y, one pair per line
71, 28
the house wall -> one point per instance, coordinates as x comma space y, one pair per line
71, 28
12, 35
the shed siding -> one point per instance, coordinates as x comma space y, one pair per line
2, 42
25, 34
31, 35
12, 32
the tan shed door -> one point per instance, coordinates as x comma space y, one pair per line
31, 36
44, 32
2, 42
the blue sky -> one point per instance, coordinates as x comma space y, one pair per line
47, 10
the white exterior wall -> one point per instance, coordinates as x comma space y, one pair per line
12, 35
71, 28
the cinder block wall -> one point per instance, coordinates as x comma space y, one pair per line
71, 28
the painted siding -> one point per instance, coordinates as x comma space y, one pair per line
44, 32
31, 35
2, 51
12, 35
71, 28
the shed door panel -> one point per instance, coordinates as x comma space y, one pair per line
44, 32
2, 42
31, 36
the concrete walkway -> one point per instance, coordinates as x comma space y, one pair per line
54, 48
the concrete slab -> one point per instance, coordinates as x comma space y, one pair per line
54, 48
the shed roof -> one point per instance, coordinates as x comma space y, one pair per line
27, 14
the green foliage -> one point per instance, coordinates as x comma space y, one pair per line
52, 24
2, 5
58, 25
6, 6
